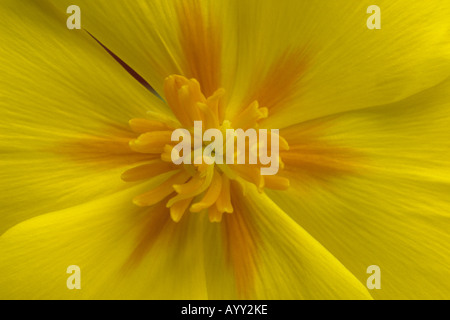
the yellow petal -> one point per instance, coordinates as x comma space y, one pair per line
260, 253
285, 55
304, 60
64, 111
159, 38
123, 251
389, 207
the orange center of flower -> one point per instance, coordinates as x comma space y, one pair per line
194, 185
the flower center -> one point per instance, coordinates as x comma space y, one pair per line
201, 180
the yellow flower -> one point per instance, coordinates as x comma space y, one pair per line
86, 176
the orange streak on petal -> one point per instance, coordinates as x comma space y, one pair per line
154, 221
157, 235
241, 246
315, 154
95, 151
200, 38
276, 88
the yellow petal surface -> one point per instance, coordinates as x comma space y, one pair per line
258, 252
160, 38
64, 105
284, 54
123, 251
387, 204
305, 60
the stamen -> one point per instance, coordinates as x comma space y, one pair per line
215, 215
182, 97
195, 183
151, 142
250, 173
223, 202
210, 196
145, 125
206, 182
276, 182
211, 118
178, 209
159, 193
147, 171
193, 192
250, 116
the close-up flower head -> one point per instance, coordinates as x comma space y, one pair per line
224, 149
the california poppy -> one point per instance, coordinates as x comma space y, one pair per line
363, 116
